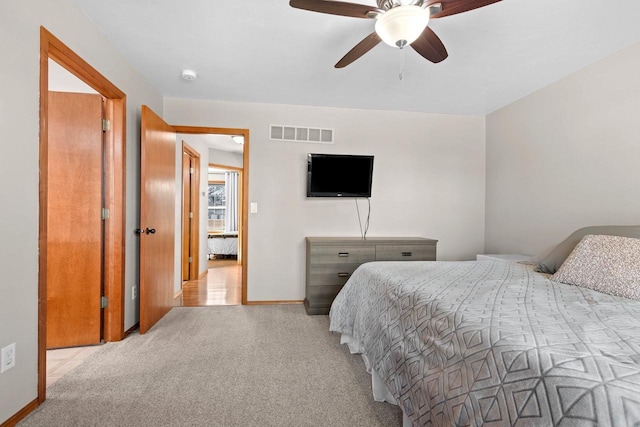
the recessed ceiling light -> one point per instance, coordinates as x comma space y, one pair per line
188, 75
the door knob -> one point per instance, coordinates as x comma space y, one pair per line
139, 230
151, 230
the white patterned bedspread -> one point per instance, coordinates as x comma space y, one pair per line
223, 245
494, 343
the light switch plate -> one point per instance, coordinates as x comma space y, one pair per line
254, 207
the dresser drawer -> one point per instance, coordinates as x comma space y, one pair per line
405, 252
322, 296
339, 254
325, 281
330, 274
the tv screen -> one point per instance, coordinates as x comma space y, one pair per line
336, 175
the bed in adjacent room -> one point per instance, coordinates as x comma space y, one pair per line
222, 244
498, 343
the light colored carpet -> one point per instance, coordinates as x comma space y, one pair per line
220, 366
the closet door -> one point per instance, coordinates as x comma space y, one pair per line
74, 221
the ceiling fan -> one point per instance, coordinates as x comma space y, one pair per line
398, 23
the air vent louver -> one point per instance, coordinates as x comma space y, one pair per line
301, 134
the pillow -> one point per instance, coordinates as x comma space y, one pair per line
552, 262
607, 264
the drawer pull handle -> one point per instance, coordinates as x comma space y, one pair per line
343, 254
343, 274
407, 253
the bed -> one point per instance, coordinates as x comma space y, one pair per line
222, 244
495, 342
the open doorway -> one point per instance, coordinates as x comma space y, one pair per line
223, 192
106, 226
223, 228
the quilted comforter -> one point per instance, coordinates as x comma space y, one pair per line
494, 343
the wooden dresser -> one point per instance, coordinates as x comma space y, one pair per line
331, 260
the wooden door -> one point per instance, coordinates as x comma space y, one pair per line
186, 215
74, 222
190, 212
157, 218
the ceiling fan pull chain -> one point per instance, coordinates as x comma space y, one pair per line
401, 76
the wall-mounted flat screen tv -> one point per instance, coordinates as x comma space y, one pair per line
338, 175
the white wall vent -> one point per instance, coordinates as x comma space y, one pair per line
301, 134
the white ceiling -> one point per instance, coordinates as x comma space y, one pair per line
266, 51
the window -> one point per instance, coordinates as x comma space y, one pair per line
217, 205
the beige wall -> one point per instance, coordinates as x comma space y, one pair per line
428, 181
565, 157
19, 123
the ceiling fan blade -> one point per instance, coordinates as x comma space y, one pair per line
337, 8
430, 46
453, 7
360, 49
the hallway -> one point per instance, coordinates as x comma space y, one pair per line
221, 286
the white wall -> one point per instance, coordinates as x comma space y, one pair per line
225, 158
19, 123
428, 181
565, 157
61, 80
216, 176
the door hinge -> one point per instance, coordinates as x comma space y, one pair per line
106, 125
190, 214
105, 214
190, 259
192, 170
104, 302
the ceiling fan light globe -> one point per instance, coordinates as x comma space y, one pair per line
402, 25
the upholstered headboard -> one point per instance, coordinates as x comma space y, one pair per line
552, 262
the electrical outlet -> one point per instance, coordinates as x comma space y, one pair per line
8, 357
134, 292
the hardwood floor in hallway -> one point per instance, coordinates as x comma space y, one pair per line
221, 286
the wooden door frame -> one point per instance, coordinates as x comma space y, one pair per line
194, 230
244, 203
114, 241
